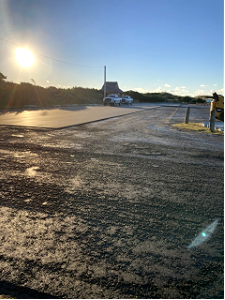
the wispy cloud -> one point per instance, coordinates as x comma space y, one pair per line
167, 85
203, 85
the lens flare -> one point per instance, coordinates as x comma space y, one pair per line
204, 235
24, 57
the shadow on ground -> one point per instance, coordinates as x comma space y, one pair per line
10, 290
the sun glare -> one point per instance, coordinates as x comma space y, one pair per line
24, 57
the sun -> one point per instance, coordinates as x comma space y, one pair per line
24, 57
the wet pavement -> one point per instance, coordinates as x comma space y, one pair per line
109, 209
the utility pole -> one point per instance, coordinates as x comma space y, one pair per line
104, 81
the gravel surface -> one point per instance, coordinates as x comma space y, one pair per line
108, 209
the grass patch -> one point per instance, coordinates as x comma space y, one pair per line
196, 127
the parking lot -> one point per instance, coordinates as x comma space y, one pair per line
108, 209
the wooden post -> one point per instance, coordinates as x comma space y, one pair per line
187, 115
212, 120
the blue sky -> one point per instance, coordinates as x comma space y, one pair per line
172, 46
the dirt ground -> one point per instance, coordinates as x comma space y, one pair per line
108, 209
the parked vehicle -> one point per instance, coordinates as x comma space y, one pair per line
127, 99
112, 99
217, 104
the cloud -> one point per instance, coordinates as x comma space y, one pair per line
221, 91
199, 92
183, 93
167, 85
181, 88
158, 90
141, 90
203, 85
215, 84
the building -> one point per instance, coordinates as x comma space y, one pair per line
112, 87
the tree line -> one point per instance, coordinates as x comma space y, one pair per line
13, 95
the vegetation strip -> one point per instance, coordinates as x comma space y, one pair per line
197, 127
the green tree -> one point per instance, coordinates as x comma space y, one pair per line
187, 99
2, 77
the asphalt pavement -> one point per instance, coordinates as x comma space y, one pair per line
55, 118
109, 209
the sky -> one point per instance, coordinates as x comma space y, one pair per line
174, 46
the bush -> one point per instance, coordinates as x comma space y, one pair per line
200, 100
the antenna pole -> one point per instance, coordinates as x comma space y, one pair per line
104, 81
